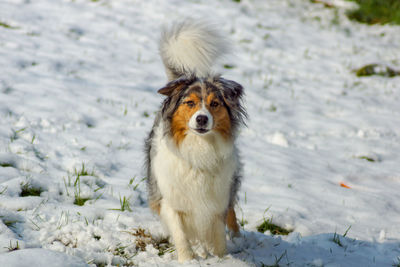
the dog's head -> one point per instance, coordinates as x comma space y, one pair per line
202, 106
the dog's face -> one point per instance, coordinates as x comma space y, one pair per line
201, 110
202, 107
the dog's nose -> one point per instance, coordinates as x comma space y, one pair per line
201, 120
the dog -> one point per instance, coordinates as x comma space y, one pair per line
193, 165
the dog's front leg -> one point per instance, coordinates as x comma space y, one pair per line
219, 240
175, 226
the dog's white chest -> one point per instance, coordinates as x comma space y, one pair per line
197, 177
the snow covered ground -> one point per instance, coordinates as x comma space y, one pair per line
78, 83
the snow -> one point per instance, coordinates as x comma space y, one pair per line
78, 85
39, 257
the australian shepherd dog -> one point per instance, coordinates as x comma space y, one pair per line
193, 165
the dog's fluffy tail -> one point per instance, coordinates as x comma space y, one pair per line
191, 48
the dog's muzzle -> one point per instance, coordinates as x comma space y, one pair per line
201, 122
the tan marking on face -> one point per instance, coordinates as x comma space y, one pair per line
181, 117
222, 123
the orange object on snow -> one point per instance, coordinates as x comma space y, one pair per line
344, 185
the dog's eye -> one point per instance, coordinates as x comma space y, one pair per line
214, 104
190, 103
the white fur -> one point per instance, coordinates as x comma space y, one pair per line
191, 48
194, 180
202, 111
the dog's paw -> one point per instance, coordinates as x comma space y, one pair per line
219, 254
185, 255
202, 252
219, 250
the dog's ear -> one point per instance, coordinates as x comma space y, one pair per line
231, 90
174, 86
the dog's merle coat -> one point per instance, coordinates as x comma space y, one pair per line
229, 93
193, 177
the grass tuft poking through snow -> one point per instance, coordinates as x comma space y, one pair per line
144, 238
277, 261
135, 186
376, 69
9, 223
367, 158
27, 189
229, 66
7, 26
13, 246
336, 237
376, 11
124, 202
3, 190
84, 171
274, 229
6, 164
79, 200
